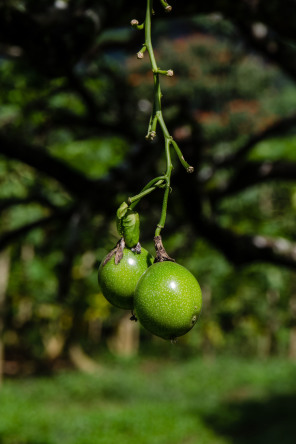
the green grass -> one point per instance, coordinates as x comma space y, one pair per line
155, 402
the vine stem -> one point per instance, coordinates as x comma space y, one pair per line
161, 223
151, 186
158, 117
148, 41
155, 119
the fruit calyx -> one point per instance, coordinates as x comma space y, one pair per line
133, 317
128, 226
161, 254
137, 248
118, 251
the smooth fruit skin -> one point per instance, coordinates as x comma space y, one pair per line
118, 282
168, 300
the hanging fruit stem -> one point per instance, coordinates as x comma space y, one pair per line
156, 119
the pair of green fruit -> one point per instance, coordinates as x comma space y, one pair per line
165, 297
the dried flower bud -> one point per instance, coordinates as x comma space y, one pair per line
151, 135
134, 22
170, 73
140, 55
168, 8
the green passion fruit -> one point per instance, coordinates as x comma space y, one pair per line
118, 282
167, 300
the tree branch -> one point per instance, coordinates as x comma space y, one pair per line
99, 193
73, 235
239, 249
11, 236
245, 249
36, 157
254, 173
11, 202
275, 129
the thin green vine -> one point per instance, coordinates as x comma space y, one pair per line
156, 119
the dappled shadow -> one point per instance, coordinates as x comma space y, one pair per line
3, 440
271, 420
7, 439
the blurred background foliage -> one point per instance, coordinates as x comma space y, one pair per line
75, 103
74, 109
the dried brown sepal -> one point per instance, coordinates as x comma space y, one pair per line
137, 248
109, 255
161, 254
119, 251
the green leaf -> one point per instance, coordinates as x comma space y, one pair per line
122, 210
131, 228
128, 225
